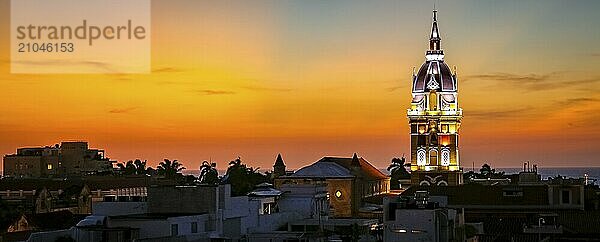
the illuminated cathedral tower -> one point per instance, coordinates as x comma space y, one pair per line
434, 118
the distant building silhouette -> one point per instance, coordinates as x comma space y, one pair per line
434, 119
279, 167
68, 159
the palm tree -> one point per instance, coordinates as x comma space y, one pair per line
140, 167
169, 169
127, 168
130, 167
208, 173
242, 178
398, 171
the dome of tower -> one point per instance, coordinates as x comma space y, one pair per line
434, 75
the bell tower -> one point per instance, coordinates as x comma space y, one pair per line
434, 118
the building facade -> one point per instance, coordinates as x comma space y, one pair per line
348, 180
434, 119
68, 159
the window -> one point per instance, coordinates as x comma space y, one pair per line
445, 157
174, 229
421, 158
565, 197
194, 227
49, 166
338, 194
433, 157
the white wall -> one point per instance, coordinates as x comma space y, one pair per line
184, 224
119, 208
409, 220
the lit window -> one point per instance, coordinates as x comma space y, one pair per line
445, 157
421, 157
338, 194
49, 166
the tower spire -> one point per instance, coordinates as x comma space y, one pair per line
434, 39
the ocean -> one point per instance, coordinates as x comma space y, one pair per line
569, 172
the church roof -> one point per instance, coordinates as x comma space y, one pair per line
340, 167
323, 169
279, 161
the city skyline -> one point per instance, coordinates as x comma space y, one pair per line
311, 79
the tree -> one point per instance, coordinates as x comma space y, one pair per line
398, 171
242, 178
140, 167
208, 173
169, 169
136, 167
127, 168
485, 172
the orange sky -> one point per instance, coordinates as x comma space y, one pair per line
313, 78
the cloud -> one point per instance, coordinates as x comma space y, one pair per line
533, 82
498, 113
394, 88
575, 101
267, 89
214, 92
122, 110
166, 70
510, 77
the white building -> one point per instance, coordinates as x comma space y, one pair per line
419, 218
200, 213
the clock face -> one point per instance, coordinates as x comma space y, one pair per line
338, 194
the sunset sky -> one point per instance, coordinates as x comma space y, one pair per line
312, 78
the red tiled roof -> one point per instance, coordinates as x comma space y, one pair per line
366, 168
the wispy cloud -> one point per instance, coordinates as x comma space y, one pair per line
267, 89
575, 101
394, 88
122, 110
166, 70
533, 82
214, 92
498, 113
529, 78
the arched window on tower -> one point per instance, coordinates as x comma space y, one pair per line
421, 159
432, 101
445, 157
433, 158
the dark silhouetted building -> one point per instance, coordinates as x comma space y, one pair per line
68, 159
279, 167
